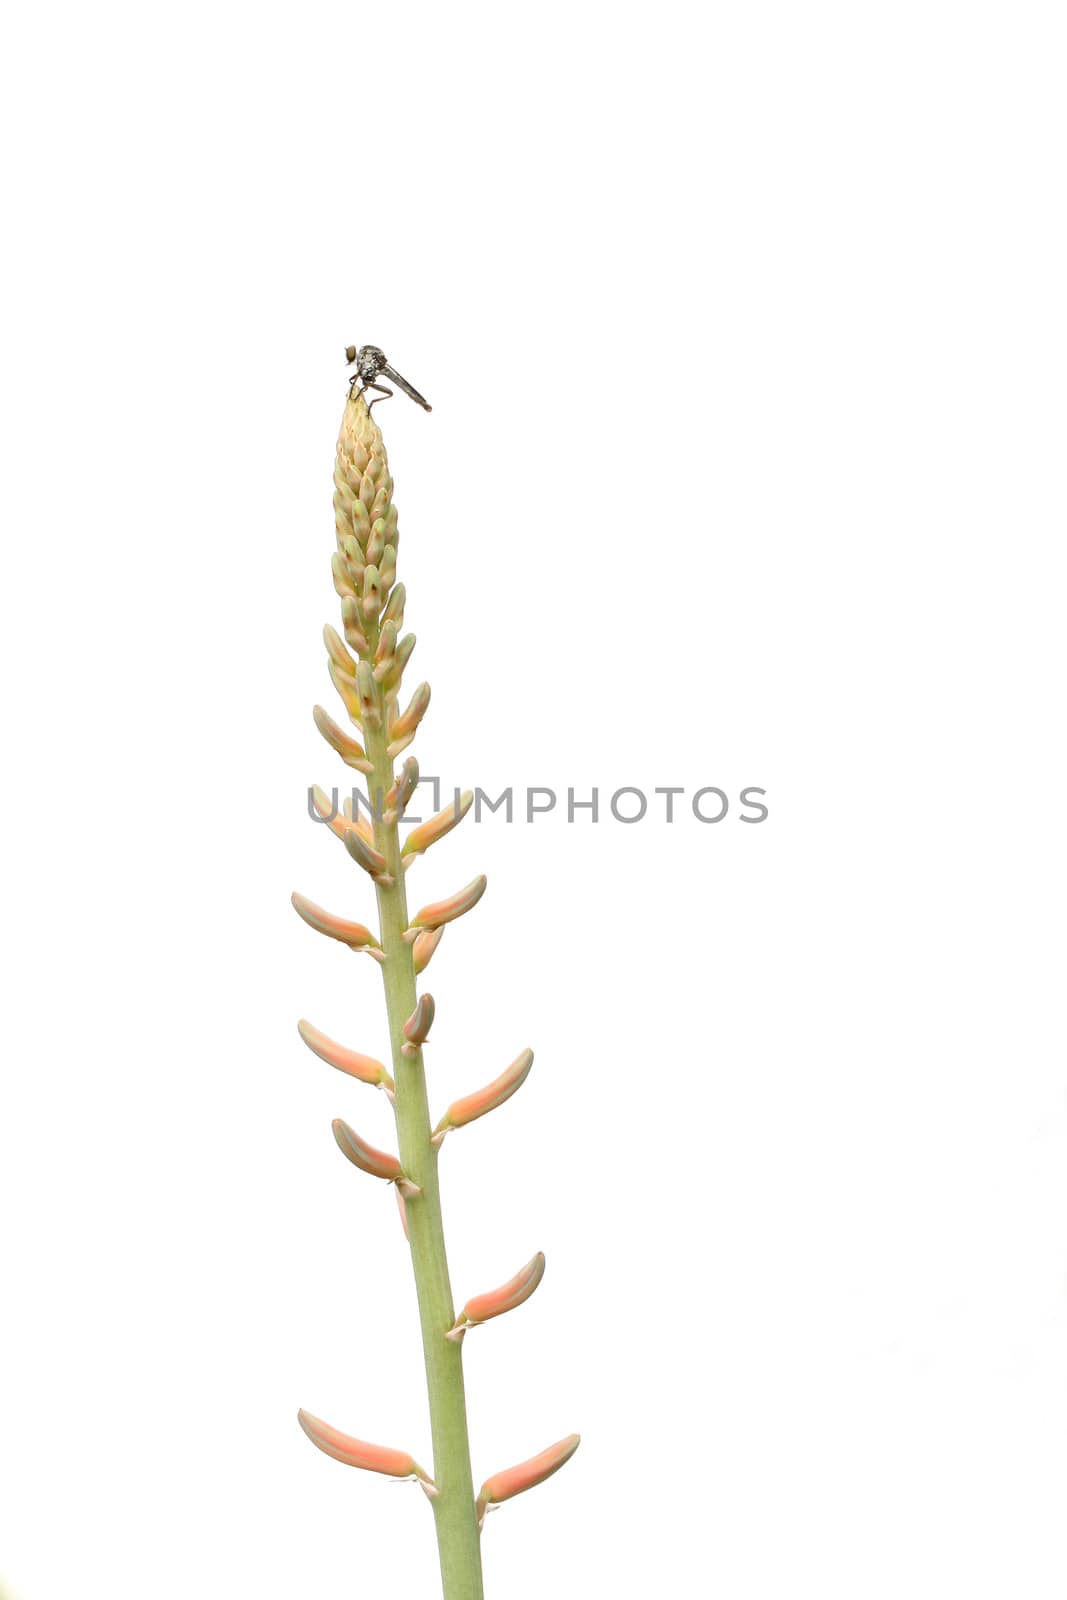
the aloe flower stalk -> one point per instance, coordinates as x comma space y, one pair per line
366, 667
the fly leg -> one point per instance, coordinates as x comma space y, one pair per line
382, 394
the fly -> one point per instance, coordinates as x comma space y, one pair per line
370, 364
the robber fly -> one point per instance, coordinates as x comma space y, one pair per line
370, 363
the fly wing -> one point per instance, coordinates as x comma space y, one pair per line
402, 383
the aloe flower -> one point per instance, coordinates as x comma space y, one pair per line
367, 662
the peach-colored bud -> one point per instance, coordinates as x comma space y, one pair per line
418, 1025
397, 747
337, 652
326, 809
368, 704
356, 819
386, 642
365, 1068
400, 659
394, 610
364, 854
354, 934
357, 1452
360, 519
346, 688
341, 580
372, 592
353, 624
339, 822
376, 542
351, 552
527, 1475
352, 753
507, 1297
378, 1163
433, 916
428, 833
409, 720
473, 1106
389, 568
424, 947
408, 783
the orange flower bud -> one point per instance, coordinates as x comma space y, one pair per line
339, 822
372, 591
356, 819
527, 1475
424, 947
341, 580
362, 853
346, 688
494, 1094
394, 610
433, 916
365, 1068
369, 715
418, 1025
397, 747
352, 621
378, 1163
347, 748
406, 785
390, 678
409, 720
386, 643
428, 833
357, 1453
333, 818
354, 934
497, 1301
337, 652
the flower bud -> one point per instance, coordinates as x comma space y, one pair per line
396, 747
341, 580
377, 1163
409, 720
428, 833
365, 1068
372, 592
442, 911
497, 1301
394, 610
418, 1025
408, 783
424, 947
376, 542
369, 714
386, 643
328, 811
368, 858
346, 688
357, 1452
351, 752
401, 657
353, 624
353, 934
527, 1475
475, 1105
388, 568
337, 652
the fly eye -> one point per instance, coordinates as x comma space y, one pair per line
350, 353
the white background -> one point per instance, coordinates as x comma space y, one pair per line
744, 328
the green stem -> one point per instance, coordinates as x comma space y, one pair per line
458, 1537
